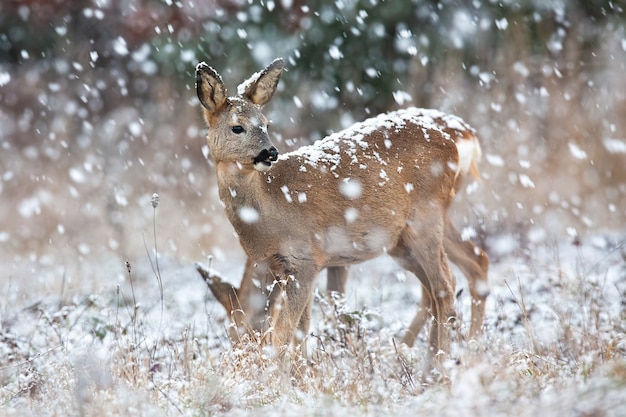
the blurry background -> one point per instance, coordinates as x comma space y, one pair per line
98, 111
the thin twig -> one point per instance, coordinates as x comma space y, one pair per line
32, 358
404, 365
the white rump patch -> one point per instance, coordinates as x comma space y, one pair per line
469, 151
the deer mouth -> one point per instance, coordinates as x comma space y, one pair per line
263, 161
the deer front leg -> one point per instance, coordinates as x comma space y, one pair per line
289, 304
251, 272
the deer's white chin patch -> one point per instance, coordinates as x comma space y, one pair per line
263, 166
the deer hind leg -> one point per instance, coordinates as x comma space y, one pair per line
420, 250
337, 278
423, 313
474, 263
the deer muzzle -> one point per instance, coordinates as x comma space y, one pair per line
263, 161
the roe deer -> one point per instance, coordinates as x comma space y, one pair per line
381, 186
471, 260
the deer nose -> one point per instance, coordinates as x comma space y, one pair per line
273, 154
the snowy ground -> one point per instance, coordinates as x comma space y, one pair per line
554, 344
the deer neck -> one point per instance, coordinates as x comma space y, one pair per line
239, 185
244, 193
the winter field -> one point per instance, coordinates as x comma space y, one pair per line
554, 343
101, 310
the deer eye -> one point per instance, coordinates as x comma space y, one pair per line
237, 129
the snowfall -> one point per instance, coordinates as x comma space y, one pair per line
108, 197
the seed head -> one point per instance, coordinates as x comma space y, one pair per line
155, 200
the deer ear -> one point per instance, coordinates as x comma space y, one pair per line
210, 88
260, 88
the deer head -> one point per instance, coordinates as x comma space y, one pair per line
237, 128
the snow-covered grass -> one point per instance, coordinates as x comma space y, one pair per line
554, 344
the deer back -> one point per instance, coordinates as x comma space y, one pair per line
346, 198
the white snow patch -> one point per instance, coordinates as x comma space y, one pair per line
351, 188
468, 232
241, 88
351, 214
248, 214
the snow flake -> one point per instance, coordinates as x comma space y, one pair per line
614, 145
521, 69
5, 78
502, 24
285, 190
4, 236
526, 181
576, 151
495, 160
77, 175
120, 47
372, 72
29, 207
335, 53
401, 97
351, 188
